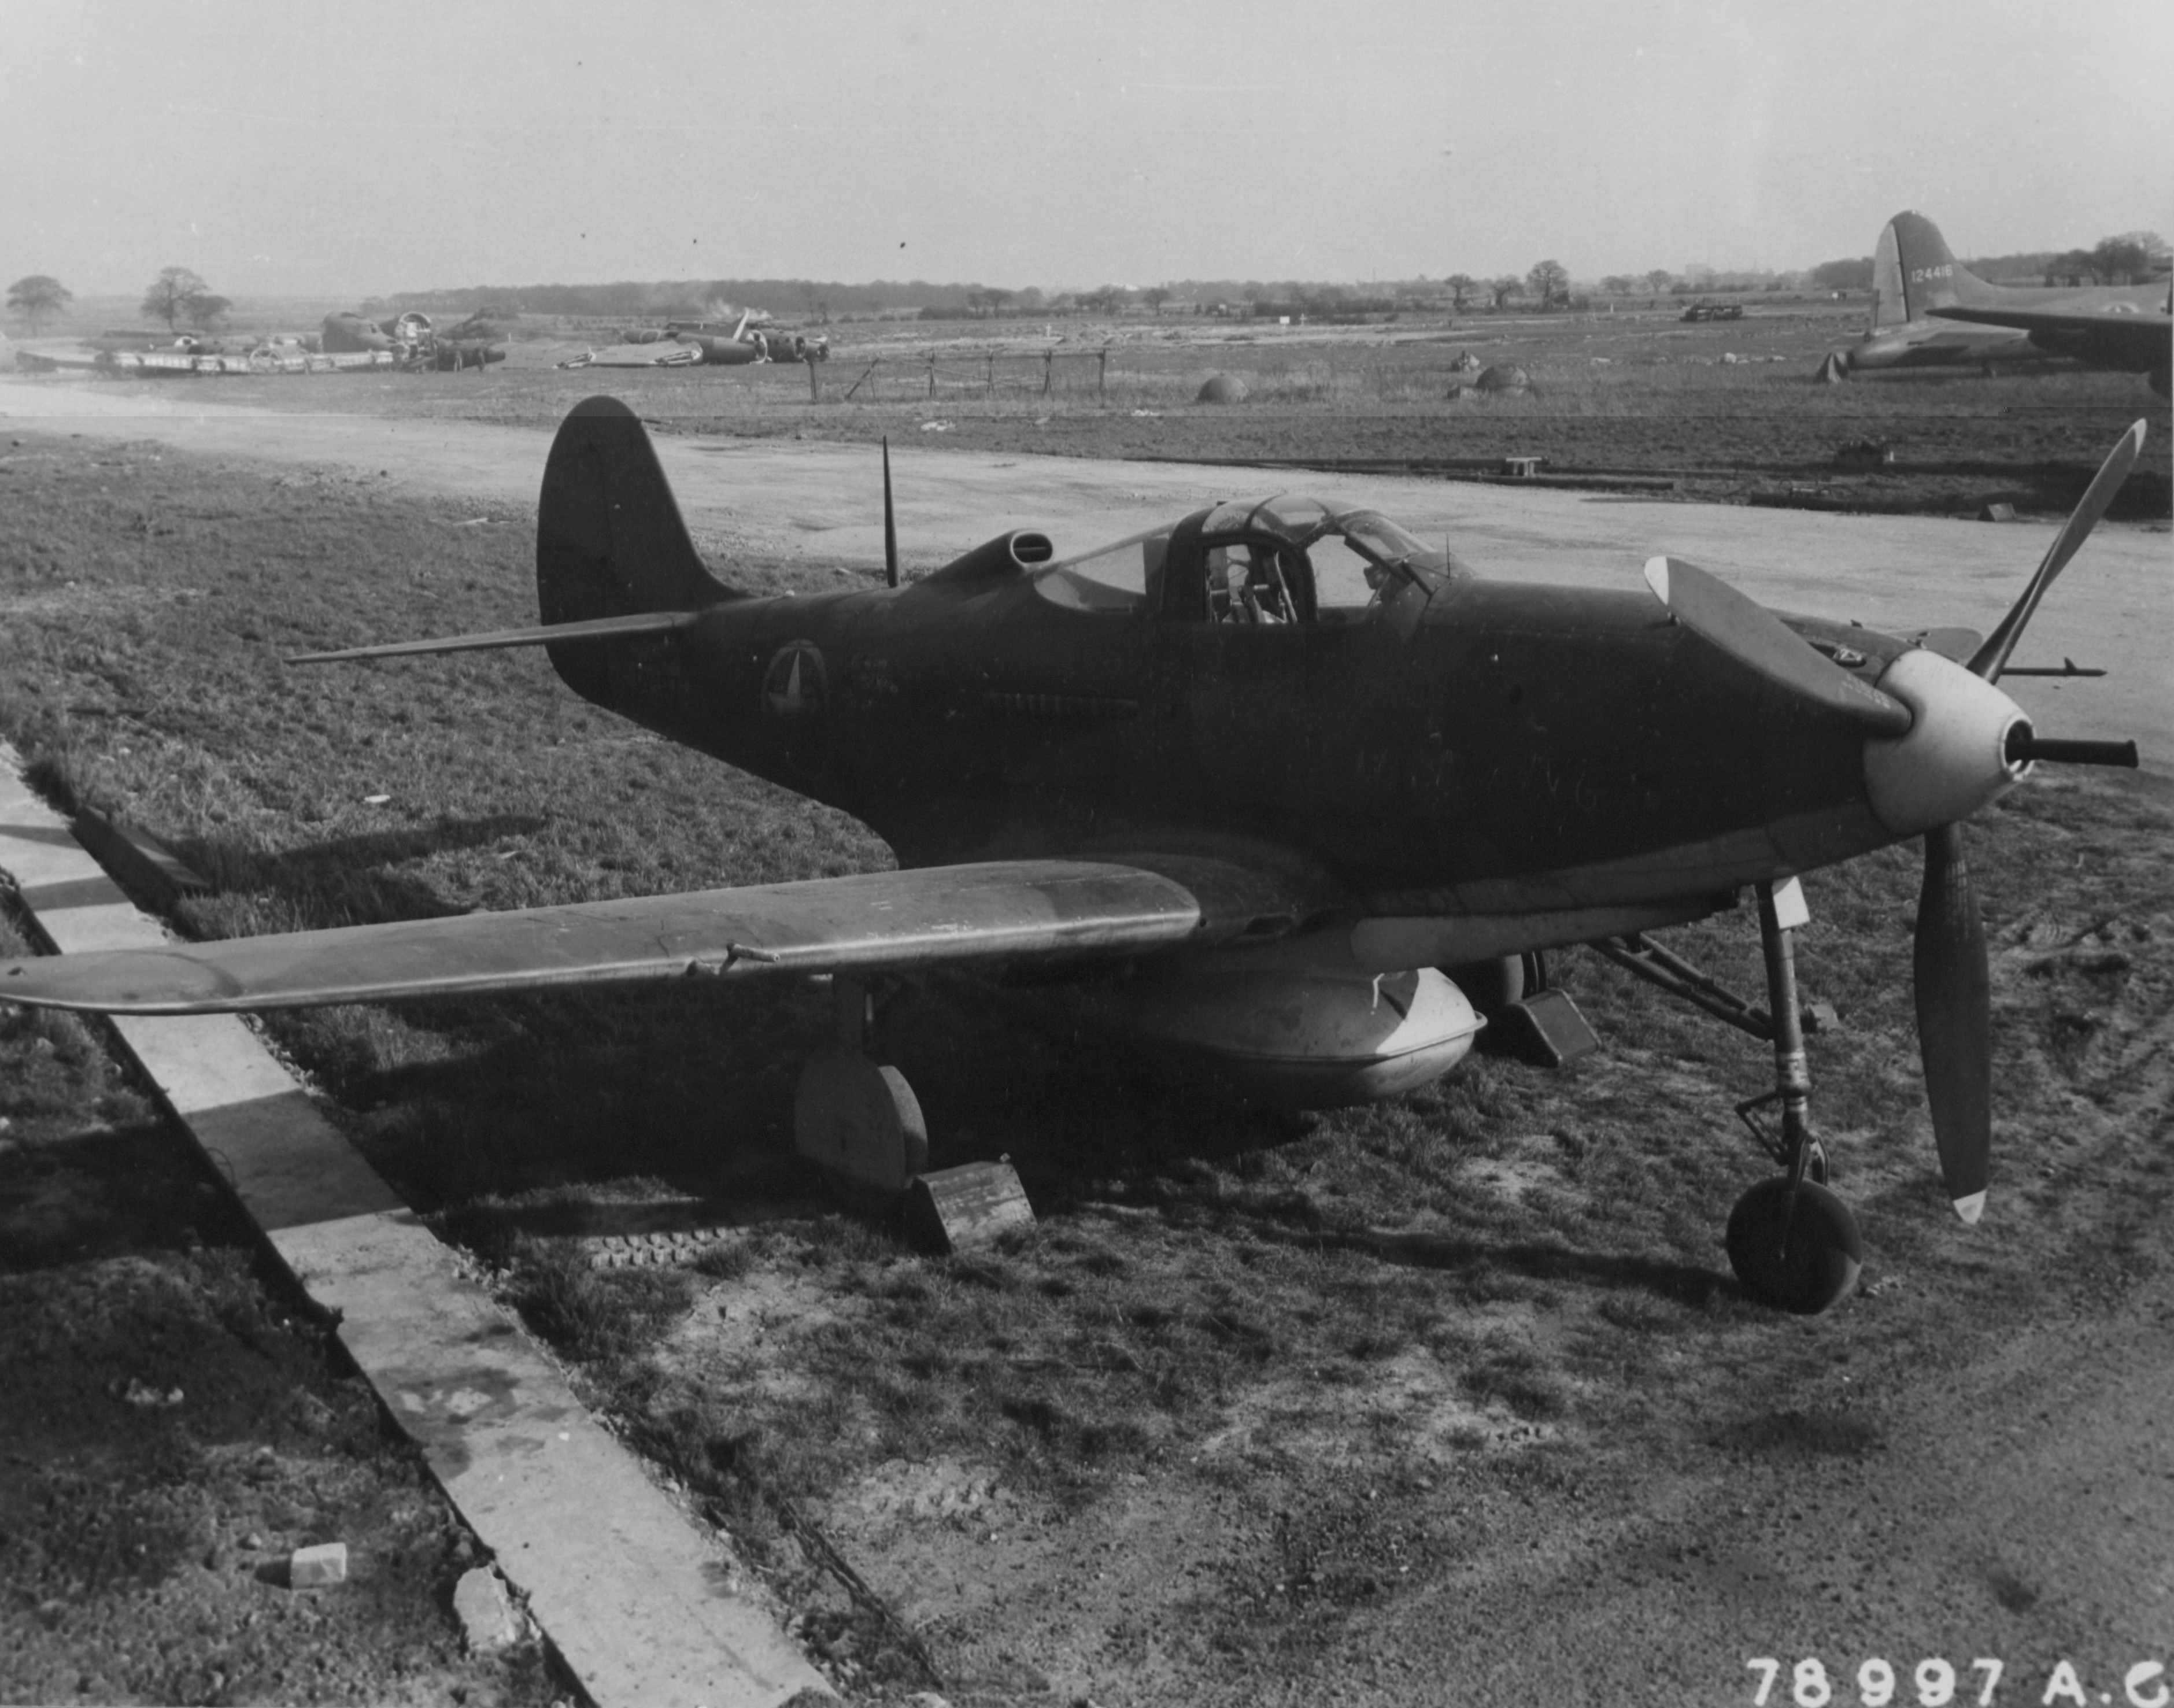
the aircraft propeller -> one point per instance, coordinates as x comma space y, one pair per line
1953, 999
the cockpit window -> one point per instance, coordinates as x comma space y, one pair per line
1115, 578
1359, 558
1289, 559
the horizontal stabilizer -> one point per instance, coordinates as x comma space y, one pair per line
870, 922
597, 628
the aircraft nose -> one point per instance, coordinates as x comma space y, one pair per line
1954, 757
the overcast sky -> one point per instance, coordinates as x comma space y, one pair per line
279, 146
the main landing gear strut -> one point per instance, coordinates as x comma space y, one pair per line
1793, 1242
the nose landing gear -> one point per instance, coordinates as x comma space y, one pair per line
1793, 1242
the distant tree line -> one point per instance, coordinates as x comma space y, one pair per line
1546, 285
688, 298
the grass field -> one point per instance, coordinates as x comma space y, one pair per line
1727, 411
1499, 1302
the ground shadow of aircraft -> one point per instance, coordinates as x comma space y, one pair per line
1251, 780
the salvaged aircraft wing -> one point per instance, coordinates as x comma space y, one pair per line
656, 355
870, 922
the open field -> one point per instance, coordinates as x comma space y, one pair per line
1447, 1398
1726, 411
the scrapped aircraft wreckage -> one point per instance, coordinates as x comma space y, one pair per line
347, 343
1282, 788
703, 344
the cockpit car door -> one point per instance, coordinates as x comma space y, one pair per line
1250, 595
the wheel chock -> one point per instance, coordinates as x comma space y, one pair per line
1545, 1029
955, 1208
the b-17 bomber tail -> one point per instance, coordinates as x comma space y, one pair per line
1913, 267
1916, 278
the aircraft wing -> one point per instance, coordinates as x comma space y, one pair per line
2139, 335
871, 922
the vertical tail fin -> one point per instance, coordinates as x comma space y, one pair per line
1891, 302
1930, 276
609, 539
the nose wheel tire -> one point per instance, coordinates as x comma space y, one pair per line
1807, 1267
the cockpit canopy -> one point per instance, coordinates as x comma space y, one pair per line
1289, 559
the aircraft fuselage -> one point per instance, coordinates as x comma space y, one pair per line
1475, 747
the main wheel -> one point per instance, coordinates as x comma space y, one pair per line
1808, 1266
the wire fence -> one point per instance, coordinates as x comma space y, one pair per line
930, 377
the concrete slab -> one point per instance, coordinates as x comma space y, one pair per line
641, 1606
810, 500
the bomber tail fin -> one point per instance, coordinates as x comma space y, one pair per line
1914, 263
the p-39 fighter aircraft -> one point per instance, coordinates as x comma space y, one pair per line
1258, 775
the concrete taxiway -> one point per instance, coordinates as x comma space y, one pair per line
813, 500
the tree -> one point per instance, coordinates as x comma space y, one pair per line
2074, 267
1659, 280
1618, 284
1503, 289
2119, 259
36, 295
1844, 275
1461, 286
1154, 296
205, 309
170, 293
1549, 279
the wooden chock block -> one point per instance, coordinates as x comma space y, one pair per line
1546, 1030
953, 1210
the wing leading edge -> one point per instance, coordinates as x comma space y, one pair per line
869, 923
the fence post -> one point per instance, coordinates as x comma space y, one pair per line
814, 385
865, 372
932, 373
1102, 378
989, 388
1048, 363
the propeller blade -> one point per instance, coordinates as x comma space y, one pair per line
1757, 639
1954, 1020
1991, 658
891, 524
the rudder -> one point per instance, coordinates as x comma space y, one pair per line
609, 539
1927, 273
